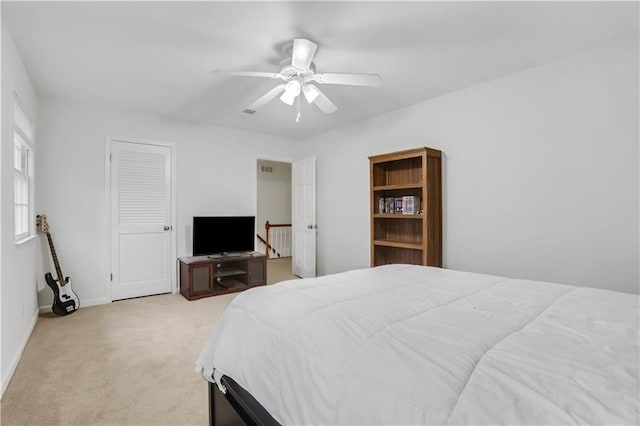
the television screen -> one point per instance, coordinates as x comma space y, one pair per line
223, 234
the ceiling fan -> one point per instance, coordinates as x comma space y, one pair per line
299, 74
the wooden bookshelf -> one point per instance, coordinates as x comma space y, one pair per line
407, 238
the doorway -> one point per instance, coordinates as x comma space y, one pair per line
273, 208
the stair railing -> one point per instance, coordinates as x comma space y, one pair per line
278, 240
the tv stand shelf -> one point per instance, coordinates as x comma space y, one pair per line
204, 276
228, 273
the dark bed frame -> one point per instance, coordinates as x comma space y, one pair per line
236, 407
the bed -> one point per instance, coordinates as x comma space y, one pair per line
406, 344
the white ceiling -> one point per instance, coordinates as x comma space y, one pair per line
156, 57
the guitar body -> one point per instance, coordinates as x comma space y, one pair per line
65, 301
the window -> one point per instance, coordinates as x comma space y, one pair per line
22, 172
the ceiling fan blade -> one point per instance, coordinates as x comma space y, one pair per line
371, 80
267, 97
323, 102
303, 53
248, 73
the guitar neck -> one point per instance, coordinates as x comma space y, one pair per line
61, 280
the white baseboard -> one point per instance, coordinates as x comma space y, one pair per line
6, 377
83, 304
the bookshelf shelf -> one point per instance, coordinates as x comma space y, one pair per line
398, 244
397, 216
414, 176
396, 187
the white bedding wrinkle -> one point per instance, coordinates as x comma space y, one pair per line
405, 344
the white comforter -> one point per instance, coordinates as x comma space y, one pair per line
403, 344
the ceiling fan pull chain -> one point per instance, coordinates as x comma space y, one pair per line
298, 108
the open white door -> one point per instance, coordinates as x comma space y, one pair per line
303, 217
141, 252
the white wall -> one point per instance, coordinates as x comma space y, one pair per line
274, 195
215, 174
18, 285
540, 173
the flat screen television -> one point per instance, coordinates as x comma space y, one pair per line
223, 234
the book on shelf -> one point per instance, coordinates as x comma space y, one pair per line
410, 204
389, 205
398, 205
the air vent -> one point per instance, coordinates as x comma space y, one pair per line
249, 111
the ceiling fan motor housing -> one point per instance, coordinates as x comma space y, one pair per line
288, 71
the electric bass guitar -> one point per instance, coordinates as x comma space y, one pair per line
65, 301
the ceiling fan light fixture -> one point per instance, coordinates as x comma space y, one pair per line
293, 87
310, 92
287, 98
291, 91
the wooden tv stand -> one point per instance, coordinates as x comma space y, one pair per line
203, 276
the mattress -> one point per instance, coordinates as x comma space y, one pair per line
405, 344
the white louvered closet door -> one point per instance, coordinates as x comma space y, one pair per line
140, 219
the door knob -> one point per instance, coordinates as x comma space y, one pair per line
166, 227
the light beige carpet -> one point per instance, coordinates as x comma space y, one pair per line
126, 363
